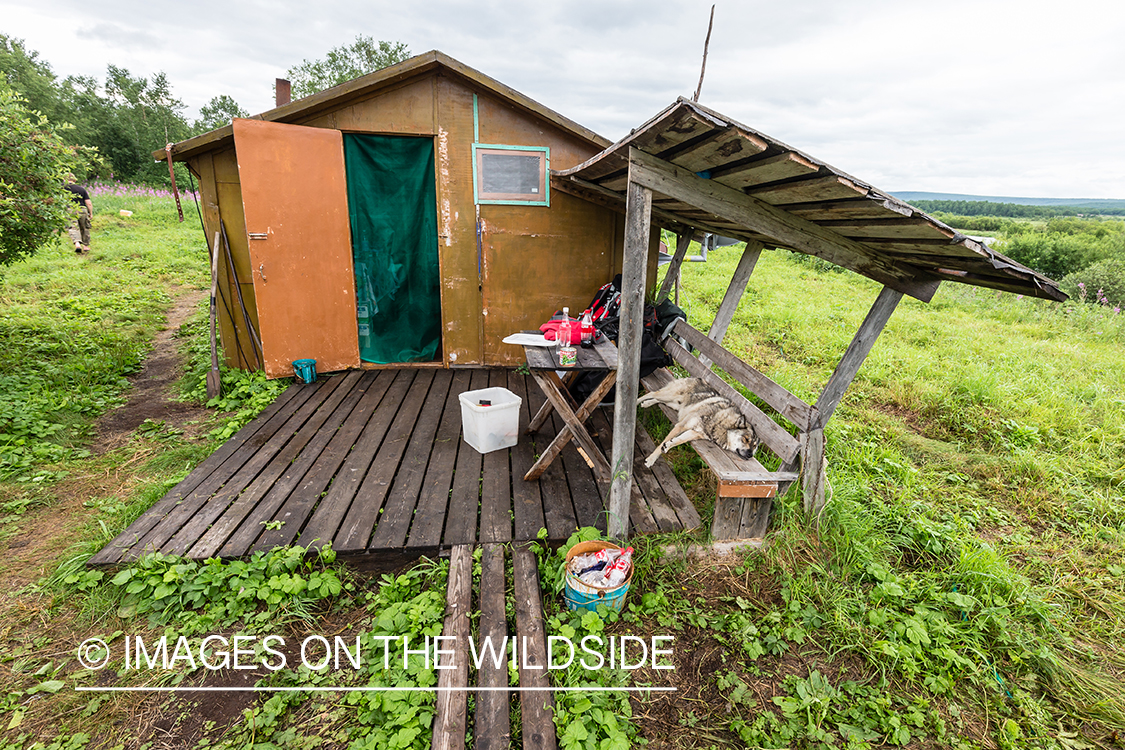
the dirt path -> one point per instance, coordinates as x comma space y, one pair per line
152, 396
45, 534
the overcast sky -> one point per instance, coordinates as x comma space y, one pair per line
1011, 97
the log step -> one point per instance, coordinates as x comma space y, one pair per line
491, 727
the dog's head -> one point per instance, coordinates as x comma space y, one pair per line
742, 440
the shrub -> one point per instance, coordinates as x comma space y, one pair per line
33, 160
1104, 280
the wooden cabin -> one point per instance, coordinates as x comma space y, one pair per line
416, 216
404, 217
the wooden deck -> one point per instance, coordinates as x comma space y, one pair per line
374, 462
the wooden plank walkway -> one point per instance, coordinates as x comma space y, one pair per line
373, 462
492, 716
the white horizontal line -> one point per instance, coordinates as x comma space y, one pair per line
318, 689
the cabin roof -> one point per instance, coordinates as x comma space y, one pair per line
760, 189
359, 88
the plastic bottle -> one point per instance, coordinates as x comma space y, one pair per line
563, 334
587, 327
597, 567
581, 563
568, 355
617, 571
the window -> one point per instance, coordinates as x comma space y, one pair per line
515, 175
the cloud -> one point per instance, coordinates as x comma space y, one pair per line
1003, 96
120, 36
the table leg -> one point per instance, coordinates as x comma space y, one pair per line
546, 409
573, 427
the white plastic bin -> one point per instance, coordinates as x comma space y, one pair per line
490, 428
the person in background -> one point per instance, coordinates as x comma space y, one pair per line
79, 230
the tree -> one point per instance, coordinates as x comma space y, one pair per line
31, 78
34, 206
344, 63
217, 113
115, 126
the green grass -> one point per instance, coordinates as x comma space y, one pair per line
72, 327
965, 586
970, 557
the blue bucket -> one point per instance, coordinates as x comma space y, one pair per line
304, 370
580, 595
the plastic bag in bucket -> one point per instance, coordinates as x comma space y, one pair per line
581, 595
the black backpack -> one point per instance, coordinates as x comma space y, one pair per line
657, 322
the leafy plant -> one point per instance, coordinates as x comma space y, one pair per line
270, 587
33, 160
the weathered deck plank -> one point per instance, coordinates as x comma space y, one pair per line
527, 502
297, 507
261, 460
332, 509
208, 470
279, 466
491, 723
496, 486
536, 705
464, 498
375, 462
398, 513
433, 502
451, 716
360, 520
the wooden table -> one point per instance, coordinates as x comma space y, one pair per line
543, 363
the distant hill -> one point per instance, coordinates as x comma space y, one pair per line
1093, 203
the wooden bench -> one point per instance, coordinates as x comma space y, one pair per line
745, 488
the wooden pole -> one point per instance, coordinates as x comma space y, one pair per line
858, 350
813, 455
725, 314
638, 218
813, 474
706, 44
683, 241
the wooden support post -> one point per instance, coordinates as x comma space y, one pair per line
683, 241
638, 218
858, 350
725, 314
812, 483
812, 441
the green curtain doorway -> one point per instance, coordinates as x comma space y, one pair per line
392, 206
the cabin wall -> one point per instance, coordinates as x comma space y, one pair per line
462, 320
221, 198
538, 259
524, 263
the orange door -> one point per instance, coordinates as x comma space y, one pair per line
296, 205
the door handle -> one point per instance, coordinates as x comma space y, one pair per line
262, 271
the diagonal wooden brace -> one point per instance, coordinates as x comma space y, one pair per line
573, 427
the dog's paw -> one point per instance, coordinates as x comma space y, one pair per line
651, 460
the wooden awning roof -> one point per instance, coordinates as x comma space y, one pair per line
710, 173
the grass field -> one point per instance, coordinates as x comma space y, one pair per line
965, 586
